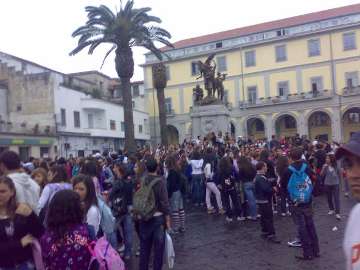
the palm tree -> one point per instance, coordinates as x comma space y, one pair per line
124, 30
159, 83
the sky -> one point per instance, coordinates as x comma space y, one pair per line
40, 30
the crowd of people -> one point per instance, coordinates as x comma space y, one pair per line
67, 204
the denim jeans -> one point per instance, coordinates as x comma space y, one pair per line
307, 230
152, 233
249, 190
198, 189
236, 210
24, 266
333, 196
127, 228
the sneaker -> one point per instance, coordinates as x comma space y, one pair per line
137, 253
338, 217
121, 248
273, 239
288, 213
275, 212
211, 211
331, 212
283, 214
346, 194
295, 243
221, 211
252, 218
304, 258
258, 216
240, 218
228, 219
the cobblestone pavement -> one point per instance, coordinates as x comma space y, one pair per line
210, 244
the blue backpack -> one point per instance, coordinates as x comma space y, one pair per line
299, 187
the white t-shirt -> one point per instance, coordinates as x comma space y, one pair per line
93, 217
352, 240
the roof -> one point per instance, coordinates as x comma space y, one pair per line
262, 27
90, 72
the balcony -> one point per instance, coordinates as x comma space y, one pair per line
170, 113
26, 129
349, 91
92, 104
291, 98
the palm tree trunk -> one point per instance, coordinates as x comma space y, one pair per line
162, 115
124, 63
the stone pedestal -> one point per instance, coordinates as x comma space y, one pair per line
209, 118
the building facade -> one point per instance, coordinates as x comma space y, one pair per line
45, 113
295, 75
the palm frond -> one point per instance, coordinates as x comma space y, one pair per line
107, 54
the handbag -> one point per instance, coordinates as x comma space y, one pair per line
37, 255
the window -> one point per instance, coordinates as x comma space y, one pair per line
91, 120
319, 120
259, 125
283, 89
316, 84
122, 126
354, 117
168, 107
314, 47
252, 95
18, 108
221, 63
226, 96
289, 121
280, 52
136, 91
351, 79
112, 125
195, 69
81, 153
133, 104
250, 60
140, 129
349, 41
146, 126
218, 45
24, 153
44, 152
76, 119
63, 117
167, 73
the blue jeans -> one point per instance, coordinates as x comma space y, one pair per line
127, 228
198, 189
152, 233
24, 266
249, 190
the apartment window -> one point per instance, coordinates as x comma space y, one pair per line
353, 117
140, 129
252, 94
112, 125
168, 107
250, 60
63, 117
18, 108
167, 73
91, 120
146, 126
195, 68
314, 47
76, 119
133, 104
280, 52
122, 126
226, 96
349, 41
24, 153
44, 152
218, 45
81, 153
283, 89
221, 63
351, 79
136, 91
316, 84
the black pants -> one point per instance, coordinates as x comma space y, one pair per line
267, 218
307, 230
333, 195
236, 211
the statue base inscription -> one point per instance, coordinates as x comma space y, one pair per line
209, 118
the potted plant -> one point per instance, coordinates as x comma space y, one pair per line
47, 129
36, 129
303, 94
23, 124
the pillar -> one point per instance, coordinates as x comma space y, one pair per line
336, 127
269, 126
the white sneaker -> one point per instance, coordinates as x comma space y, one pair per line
240, 218
283, 214
331, 212
338, 216
228, 219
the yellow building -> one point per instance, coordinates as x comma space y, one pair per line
295, 75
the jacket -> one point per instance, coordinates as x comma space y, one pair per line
27, 190
161, 195
263, 189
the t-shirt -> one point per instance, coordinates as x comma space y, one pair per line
352, 240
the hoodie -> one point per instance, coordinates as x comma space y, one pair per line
27, 190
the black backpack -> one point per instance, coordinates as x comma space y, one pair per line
118, 203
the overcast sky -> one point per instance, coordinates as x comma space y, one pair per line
40, 30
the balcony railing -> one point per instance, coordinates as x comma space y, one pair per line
285, 99
27, 129
348, 91
170, 112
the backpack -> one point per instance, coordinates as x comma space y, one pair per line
144, 204
104, 256
118, 204
300, 186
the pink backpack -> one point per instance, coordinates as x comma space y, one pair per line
107, 257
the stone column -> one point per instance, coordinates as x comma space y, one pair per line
241, 128
336, 128
302, 124
269, 126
